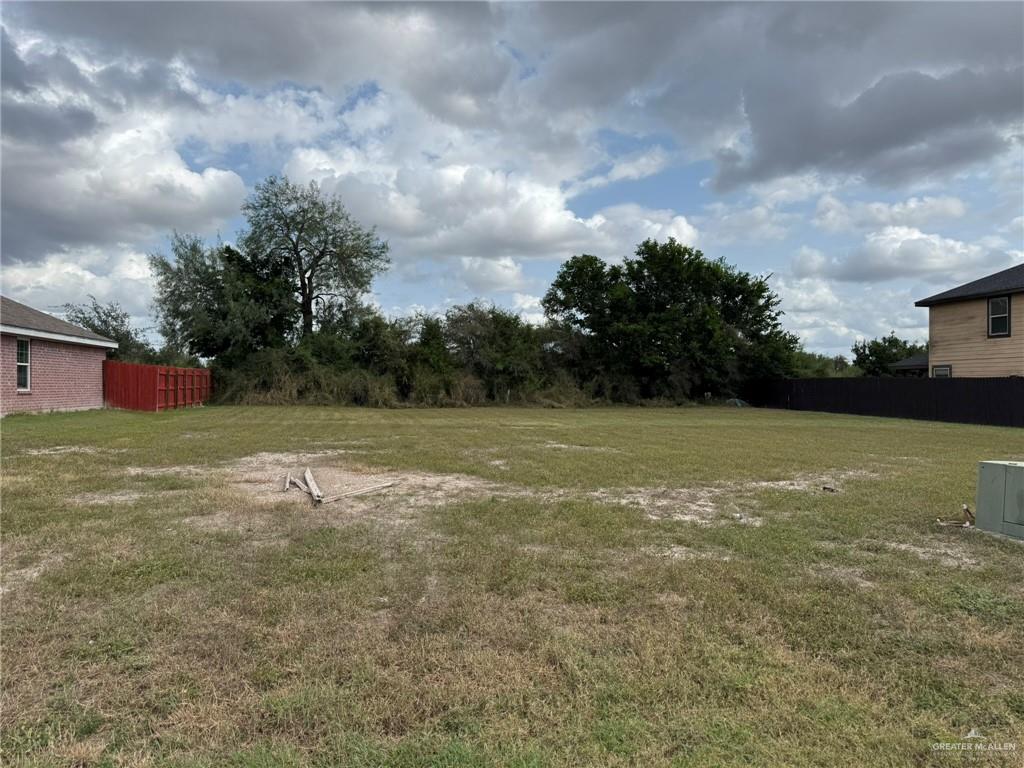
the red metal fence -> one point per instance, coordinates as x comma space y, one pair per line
153, 387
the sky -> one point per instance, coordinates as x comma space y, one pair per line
863, 155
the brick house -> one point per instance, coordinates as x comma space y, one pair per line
47, 363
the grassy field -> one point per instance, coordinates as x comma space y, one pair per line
597, 587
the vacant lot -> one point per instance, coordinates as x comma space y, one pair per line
611, 587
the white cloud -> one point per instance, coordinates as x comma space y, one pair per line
525, 301
117, 274
808, 262
808, 294
1016, 229
125, 184
791, 189
906, 252
829, 318
487, 275
833, 215
619, 228
287, 116
432, 205
637, 165
878, 87
529, 308
723, 224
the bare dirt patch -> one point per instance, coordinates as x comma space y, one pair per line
61, 450
260, 478
943, 553
259, 481
12, 579
690, 505
723, 502
113, 497
117, 497
572, 447
679, 552
183, 470
846, 574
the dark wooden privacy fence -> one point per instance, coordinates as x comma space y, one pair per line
996, 401
153, 387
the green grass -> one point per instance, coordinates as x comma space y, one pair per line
543, 627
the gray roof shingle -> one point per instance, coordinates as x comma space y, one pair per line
913, 362
1008, 281
19, 315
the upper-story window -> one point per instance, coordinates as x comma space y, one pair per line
999, 316
24, 364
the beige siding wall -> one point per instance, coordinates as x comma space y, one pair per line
958, 336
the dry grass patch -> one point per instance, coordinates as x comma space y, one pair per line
951, 555
566, 607
121, 497
679, 552
723, 503
550, 444
17, 577
846, 574
62, 450
182, 470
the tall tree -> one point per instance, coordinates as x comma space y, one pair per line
217, 302
874, 356
328, 255
671, 319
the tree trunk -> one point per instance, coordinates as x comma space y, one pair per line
307, 315
306, 301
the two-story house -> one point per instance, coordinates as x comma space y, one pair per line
977, 329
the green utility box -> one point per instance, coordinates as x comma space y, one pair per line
1000, 500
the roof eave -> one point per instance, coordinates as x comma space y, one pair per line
65, 338
933, 300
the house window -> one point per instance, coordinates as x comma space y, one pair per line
24, 365
999, 316
942, 371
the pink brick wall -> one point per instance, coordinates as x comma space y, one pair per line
65, 377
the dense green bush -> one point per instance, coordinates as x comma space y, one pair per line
651, 337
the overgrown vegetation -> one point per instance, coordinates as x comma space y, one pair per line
811, 365
156, 612
281, 318
873, 357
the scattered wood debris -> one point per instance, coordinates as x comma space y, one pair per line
357, 492
310, 486
966, 522
314, 489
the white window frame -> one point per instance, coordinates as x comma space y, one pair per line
948, 371
18, 364
1005, 314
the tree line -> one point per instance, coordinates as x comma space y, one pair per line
281, 317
